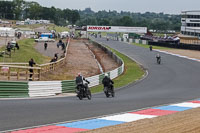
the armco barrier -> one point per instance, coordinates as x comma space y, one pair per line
68, 86
130, 40
51, 88
13, 89
44, 88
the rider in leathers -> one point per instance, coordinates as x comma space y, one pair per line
80, 81
107, 82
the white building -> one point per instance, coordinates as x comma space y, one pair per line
190, 23
190, 28
5, 31
29, 21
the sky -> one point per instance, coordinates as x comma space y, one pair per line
165, 6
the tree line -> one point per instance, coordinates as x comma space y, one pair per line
156, 21
20, 10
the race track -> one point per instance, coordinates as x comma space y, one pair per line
175, 80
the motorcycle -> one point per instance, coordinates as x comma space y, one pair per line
82, 92
109, 91
158, 60
150, 47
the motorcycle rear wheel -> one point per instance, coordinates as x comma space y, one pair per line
89, 96
113, 94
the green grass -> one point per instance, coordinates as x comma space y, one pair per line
24, 54
147, 46
31, 26
132, 72
57, 28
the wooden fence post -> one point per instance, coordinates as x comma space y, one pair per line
26, 74
39, 74
18, 74
33, 75
9, 74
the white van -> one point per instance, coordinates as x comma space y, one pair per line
64, 34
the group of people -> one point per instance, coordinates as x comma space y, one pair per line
62, 44
10, 46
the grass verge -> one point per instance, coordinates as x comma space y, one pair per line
57, 28
24, 54
132, 73
31, 26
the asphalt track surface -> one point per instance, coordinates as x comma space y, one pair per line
174, 80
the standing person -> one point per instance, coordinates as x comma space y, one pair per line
8, 47
31, 63
17, 46
45, 46
56, 56
63, 46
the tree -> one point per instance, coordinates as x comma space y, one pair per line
126, 21
18, 8
74, 16
7, 9
34, 10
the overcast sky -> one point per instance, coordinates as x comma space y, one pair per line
165, 6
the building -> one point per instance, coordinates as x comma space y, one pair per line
7, 32
190, 28
29, 21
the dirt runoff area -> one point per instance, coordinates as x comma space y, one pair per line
188, 53
80, 59
181, 122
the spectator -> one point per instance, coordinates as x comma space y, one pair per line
8, 47
45, 46
17, 46
63, 46
56, 56
54, 59
31, 63
59, 43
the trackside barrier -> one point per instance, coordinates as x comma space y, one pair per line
44, 88
51, 88
68, 86
130, 40
13, 89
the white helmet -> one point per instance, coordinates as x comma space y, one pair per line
106, 75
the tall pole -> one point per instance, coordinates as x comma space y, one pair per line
5, 44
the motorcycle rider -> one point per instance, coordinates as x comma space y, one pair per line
158, 57
81, 81
150, 47
107, 82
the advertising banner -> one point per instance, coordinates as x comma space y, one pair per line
91, 28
